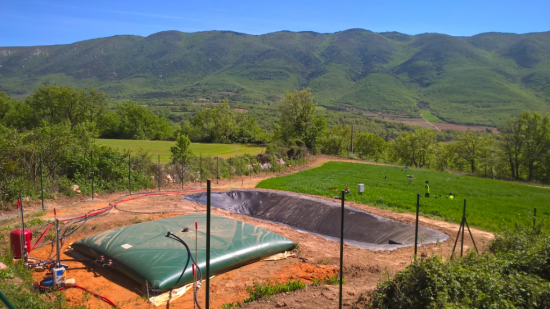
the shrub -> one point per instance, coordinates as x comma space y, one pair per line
512, 275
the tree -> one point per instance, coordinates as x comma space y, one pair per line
218, 124
472, 146
512, 134
5, 104
444, 155
336, 141
414, 148
297, 118
370, 146
133, 121
56, 104
182, 150
225, 125
537, 138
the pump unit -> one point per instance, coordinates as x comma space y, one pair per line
360, 188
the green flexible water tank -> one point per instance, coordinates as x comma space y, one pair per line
144, 253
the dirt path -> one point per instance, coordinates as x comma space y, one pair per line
317, 257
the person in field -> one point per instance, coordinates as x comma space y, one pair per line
427, 189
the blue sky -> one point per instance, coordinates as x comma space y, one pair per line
24, 23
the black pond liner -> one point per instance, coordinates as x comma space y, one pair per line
321, 217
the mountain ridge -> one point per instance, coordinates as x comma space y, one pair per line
481, 79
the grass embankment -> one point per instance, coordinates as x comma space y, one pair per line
162, 148
430, 117
490, 203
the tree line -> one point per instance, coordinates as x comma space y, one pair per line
54, 104
60, 123
521, 151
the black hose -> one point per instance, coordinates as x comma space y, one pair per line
189, 256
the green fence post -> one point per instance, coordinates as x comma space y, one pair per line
6, 301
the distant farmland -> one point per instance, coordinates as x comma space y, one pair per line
162, 148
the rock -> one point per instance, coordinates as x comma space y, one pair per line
54, 197
26, 199
3, 266
75, 187
280, 305
351, 293
78, 191
95, 194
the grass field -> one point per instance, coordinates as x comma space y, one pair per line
162, 148
430, 117
490, 203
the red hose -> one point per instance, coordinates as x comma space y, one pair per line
42, 236
110, 302
111, 205
96, 295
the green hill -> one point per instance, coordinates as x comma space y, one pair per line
470, 80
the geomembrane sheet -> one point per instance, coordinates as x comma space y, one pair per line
361, 229
144, 253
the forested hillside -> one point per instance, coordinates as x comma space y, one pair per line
470, 80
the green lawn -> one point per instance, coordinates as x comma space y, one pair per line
490, 203
430, 117
162, 148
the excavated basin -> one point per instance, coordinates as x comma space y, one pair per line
361, 229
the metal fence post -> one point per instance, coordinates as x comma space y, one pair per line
129, 174
41, 183
92, 159
159, 170
416, 229
182, 162
208, 209
341, 248
463, 219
